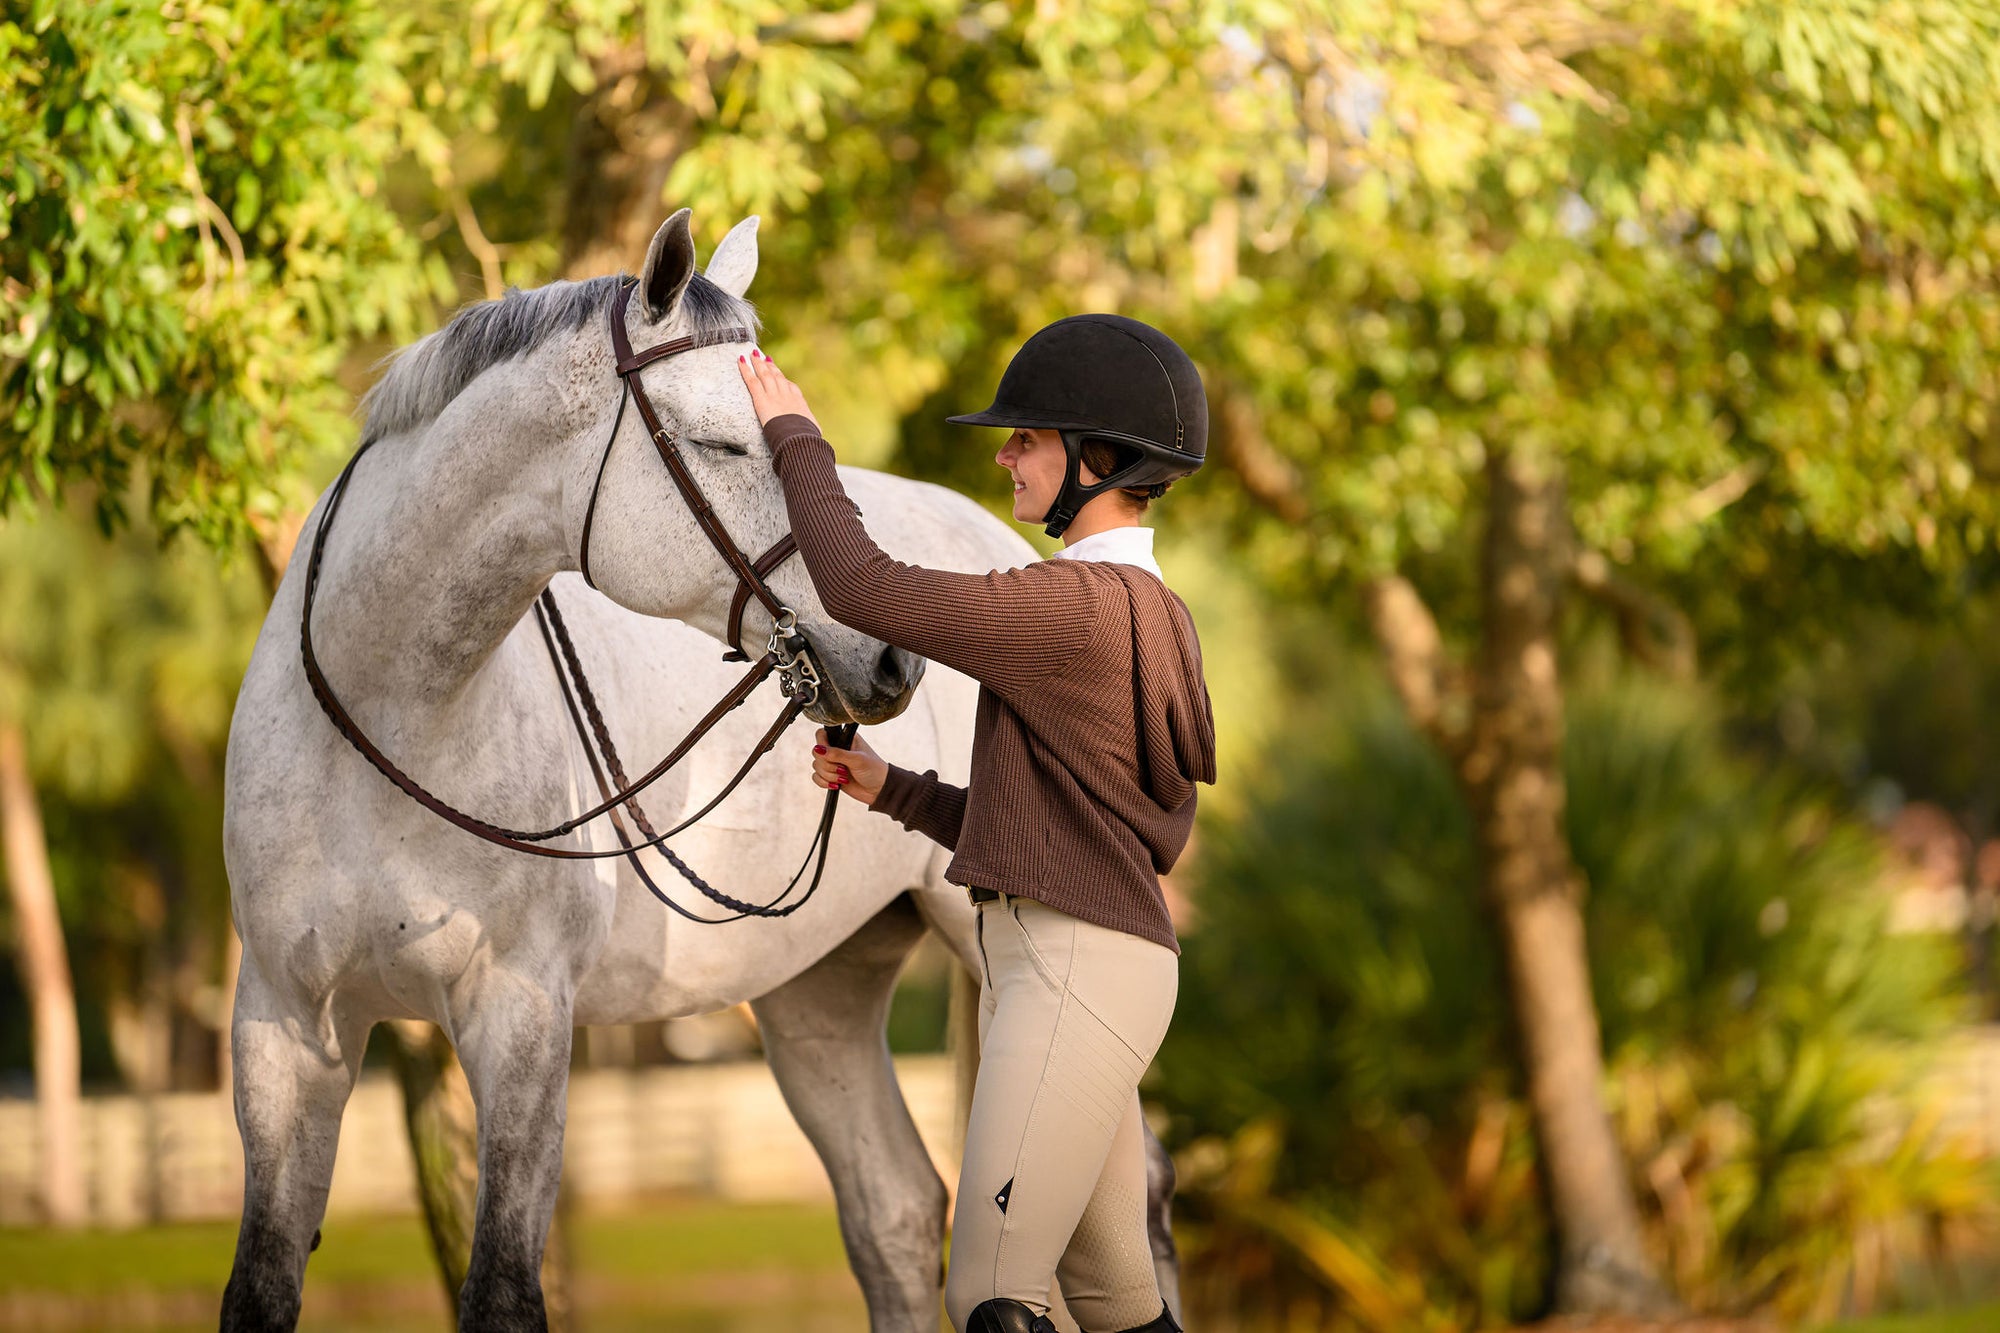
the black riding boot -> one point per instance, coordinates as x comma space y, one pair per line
1002, 1315
1164, 1323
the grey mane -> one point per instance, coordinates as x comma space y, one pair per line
429, 373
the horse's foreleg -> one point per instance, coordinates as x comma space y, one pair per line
824, 1035
292, 1084
513, 1037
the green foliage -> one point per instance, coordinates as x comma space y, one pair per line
1731, 261
1339, 1070
1905, 700
191, 234
1743, 297
115, 653
120, 659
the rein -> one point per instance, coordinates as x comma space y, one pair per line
786, 653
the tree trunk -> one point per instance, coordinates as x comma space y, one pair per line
1511, 770
624, 141
1502, 730
444, 1139
44, 962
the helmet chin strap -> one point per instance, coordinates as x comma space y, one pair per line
1074, 494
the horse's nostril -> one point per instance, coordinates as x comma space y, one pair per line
891, 666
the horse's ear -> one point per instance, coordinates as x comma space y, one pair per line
734, 262
669, 265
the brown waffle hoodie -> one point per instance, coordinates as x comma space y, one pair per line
1093, 725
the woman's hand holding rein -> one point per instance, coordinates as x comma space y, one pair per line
859, 772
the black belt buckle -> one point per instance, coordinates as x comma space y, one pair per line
979, 895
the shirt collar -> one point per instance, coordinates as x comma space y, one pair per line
1130, 545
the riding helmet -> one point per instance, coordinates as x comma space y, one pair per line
1109, 378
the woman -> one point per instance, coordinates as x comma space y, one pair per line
1093, 726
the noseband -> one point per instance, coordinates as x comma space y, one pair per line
786, 653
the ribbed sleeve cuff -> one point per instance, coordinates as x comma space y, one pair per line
922, 804
782, 430
901, 791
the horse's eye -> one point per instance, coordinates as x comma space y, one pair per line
726, 446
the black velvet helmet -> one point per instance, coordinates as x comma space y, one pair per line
1109, 378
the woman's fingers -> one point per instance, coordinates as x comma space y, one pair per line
765, 384
771, 394
759, 396
829, 766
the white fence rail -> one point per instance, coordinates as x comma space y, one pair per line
721, 1130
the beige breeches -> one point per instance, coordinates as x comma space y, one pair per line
1053, 1185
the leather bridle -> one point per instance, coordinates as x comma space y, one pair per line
749, 573
786, 653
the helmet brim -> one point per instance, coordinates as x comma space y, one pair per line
1000, 417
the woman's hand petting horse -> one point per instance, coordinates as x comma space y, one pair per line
770, 392
859, 772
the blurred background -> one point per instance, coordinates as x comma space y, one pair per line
1594, 569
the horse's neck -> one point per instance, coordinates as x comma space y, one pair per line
446, 537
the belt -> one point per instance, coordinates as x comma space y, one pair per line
979, 895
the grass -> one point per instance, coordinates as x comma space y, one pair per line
692, 1267
695, 1266
1966, 1319
693, 1238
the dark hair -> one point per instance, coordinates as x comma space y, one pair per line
1104, 458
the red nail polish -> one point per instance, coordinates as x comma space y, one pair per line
819, 749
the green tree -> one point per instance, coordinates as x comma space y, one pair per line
1698, 306
1761, 1029
192, 232
111, 659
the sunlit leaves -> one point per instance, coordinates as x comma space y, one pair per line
191, 235
1704, 250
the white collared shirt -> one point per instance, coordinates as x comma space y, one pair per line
1126, 546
